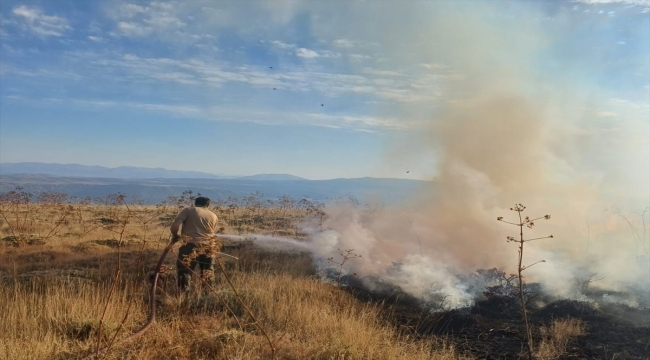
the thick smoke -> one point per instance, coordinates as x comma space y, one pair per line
508, 130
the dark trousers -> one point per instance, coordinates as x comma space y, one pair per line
188, 258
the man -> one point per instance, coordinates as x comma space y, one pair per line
198, 225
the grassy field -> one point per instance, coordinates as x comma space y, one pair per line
69, 267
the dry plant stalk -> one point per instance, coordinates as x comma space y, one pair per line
530, 223
250, 313
345, 256
118, 224
152, 308
139, 263
27, 220
212, 249
117, 200
108, 301
214, 291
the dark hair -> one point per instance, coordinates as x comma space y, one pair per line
202, 201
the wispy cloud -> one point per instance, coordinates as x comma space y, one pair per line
242, 115
38, 73
282, 45
312, 54
364, 130
343, 43
433, 66
132, 29
34, 20
306, 53
160, 19
644, 4
112, 67
358, 57
131, 10
177, 110
313, 119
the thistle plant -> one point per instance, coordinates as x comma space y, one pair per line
529, 223
345, 256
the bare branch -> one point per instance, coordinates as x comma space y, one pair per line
508, 222
539, 238
537, 262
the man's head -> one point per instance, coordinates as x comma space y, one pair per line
202, 201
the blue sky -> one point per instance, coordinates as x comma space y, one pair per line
313, 88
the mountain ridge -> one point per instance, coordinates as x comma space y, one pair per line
154, 190
123, 172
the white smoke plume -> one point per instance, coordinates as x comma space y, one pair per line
508, 130
514, 114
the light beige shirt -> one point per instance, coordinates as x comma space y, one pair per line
198, 223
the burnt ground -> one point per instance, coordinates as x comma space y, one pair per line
489, 330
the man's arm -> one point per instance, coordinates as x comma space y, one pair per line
215, 224
174, 229
178, 221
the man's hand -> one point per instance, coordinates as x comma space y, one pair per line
175, 238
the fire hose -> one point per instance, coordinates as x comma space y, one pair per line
152, 307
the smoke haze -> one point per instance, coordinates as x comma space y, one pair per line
513, 125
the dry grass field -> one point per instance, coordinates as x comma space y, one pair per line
75, 278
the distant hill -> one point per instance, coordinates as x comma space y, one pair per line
122, 172
271, 177
155, 190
